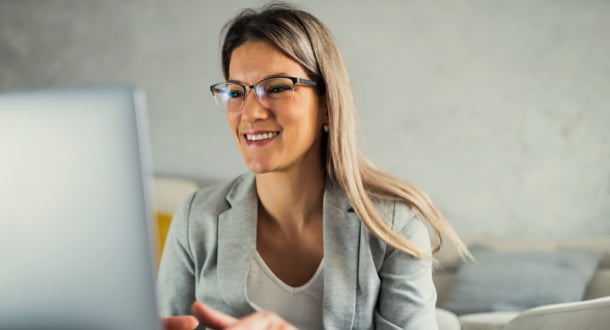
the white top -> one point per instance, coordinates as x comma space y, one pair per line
300, 306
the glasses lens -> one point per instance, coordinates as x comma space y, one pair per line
228, 96
275, 90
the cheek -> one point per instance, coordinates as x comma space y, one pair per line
303, 123
306, 129
309, 114
314, 120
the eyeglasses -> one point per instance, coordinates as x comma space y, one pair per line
272, 93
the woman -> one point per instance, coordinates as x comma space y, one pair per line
316, 235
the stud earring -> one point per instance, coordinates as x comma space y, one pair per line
326, 128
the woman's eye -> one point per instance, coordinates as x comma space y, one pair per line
234, 94
278, 89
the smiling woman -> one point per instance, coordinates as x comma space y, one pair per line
316, 236
278, 128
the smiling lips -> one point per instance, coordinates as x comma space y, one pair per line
259, 138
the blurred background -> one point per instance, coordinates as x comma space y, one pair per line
500, 110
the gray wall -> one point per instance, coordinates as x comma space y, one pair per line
499, 109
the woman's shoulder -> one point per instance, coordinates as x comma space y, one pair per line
395, 213
404, 219
213, 198
200, 210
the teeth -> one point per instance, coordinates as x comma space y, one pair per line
258, 137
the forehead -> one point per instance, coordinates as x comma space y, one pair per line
257, 60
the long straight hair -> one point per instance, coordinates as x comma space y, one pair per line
306, 40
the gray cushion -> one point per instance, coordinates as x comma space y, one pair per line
514, 281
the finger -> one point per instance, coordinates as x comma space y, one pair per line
210, 317
262, 321
186, 322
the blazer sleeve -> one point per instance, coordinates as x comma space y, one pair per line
407, 296
176, 276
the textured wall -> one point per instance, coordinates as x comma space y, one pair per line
499, 109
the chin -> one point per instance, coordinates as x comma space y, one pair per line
259, 168
258, 171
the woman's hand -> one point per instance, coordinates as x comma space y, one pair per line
185, 322
214, 319
258, 321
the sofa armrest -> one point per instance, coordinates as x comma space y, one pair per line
170, 192
447, 320
588, 314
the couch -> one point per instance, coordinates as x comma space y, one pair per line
568, 277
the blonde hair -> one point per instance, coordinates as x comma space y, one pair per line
302, 37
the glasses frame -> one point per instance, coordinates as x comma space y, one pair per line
247, 88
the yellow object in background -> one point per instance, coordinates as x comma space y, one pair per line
163, 222
169, 194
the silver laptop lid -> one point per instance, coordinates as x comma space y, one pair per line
75, 247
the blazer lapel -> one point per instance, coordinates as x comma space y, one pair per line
341, 245
237, 243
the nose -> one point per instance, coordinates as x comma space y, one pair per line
252, 109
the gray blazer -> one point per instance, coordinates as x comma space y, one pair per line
367, 283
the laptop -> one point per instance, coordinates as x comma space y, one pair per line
75, 223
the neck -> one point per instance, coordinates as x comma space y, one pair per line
290, 199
